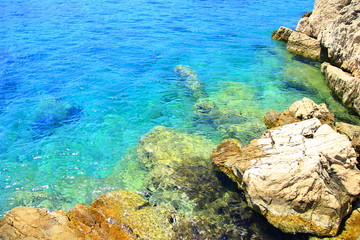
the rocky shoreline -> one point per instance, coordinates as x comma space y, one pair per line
301, 175
331, 34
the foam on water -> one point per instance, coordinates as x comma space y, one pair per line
82, 81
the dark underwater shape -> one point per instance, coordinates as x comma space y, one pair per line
46, 123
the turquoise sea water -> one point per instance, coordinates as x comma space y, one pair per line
82, 81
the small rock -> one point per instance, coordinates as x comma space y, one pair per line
282, 34
270, 118
298, 111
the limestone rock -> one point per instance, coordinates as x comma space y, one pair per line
136, 216
302, 44
324, 11
270, 118
298, 111
282, 34
341, 37
352, 131
345, 86
335, 24
302, 176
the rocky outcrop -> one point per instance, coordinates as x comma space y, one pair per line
115, 215
302, 176
336, 25
302, 44
352, 131
344, 85
324, 12
299, 111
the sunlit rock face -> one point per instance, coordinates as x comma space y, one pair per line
302, 176
335, 24
300, 110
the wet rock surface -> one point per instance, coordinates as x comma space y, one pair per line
302, 176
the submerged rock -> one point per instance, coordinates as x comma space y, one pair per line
53, 114
298, 111
191, 79
114, 215
302, 176
181, 178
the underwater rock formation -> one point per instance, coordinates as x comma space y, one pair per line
53, 114
114, 215
181, 178
191, 79
302, 176
299, 111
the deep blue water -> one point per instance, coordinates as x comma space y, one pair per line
81, 81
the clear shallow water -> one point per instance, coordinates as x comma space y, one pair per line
81, 82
